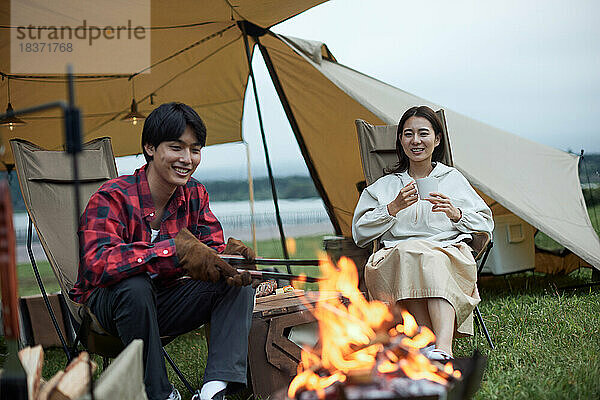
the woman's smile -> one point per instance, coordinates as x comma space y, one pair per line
418, 139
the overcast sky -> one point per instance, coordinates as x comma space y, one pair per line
530, 67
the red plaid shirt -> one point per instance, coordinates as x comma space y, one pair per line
116, 234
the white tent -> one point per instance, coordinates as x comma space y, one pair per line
535, 182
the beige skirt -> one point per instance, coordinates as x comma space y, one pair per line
416, 269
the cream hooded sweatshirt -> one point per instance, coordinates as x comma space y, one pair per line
373, 221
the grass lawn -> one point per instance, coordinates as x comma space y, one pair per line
547, 339
27, 282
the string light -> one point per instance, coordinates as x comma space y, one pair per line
11, 121
134, 115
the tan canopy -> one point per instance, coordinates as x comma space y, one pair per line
211, 75
324, 98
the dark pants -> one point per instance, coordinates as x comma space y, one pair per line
137, 309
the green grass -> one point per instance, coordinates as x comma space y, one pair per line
547, 339
27, 282
309, 247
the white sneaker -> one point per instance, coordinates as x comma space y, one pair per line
174, 395
217, 396
440, 355
213, 390
426, 350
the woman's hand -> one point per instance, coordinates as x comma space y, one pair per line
406, 197
442, 203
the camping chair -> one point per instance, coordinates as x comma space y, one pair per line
46, 182
378, 151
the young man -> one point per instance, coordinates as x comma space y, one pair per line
140, 233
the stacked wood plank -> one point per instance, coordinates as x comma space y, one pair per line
69, 384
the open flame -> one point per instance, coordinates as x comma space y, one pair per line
357, 337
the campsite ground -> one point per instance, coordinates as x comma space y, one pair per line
547, 338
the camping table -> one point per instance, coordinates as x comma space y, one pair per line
273, 357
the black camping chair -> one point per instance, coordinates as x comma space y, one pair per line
378, 151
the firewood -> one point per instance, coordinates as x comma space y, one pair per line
32, 359
75, 380
50, 385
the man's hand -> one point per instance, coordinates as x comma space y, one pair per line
202, 263
237, 247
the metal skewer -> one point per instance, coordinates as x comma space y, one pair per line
265, 275
240, 260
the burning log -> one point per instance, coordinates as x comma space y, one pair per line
362, 354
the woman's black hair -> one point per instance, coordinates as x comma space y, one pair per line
168, 122
429, 115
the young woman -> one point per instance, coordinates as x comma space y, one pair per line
425, 263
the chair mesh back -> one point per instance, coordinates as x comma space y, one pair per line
378, 147
46, 180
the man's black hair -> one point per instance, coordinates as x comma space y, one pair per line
168, 122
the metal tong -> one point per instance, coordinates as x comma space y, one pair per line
235, 260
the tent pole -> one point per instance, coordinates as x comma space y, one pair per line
251, 195
267, 158
299, 138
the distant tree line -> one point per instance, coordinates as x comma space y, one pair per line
302, 187
591, 163
291, 187
589, 167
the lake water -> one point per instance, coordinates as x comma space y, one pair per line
225, 208
300, 217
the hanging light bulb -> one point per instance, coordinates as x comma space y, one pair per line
11, 121
134, 115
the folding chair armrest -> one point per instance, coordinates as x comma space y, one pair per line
479, 243
376, 246
78, 312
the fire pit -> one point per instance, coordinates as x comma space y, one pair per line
363, 353
395, 386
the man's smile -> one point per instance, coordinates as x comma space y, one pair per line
181, 171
